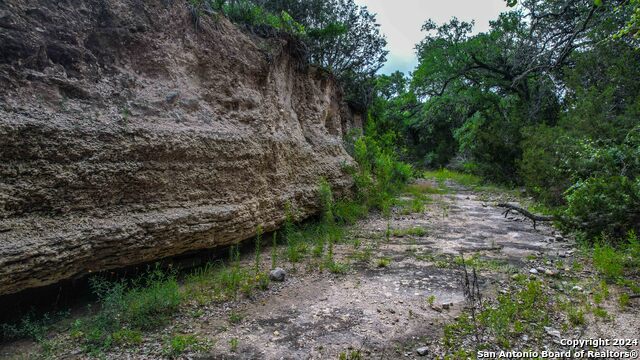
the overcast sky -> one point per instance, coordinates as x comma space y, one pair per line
401, 21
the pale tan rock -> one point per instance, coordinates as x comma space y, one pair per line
128, 136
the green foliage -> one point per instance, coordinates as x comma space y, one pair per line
383, 262
327, 203
414, 231
632, 27
233, 344
624, 300
576, 316
379, 175
250, 14
561, 120
605, 204
222, 282
600, 312
338, 267
258, 250
614, 261
444, 175
294, 249
181, 343
126, 308
351, 355
524, 311
127, 337
607, 260
30, 326
235, 318
274, 250
338, 35
348, 212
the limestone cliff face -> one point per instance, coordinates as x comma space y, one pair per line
127, 135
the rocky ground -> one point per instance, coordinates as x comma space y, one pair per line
402, 295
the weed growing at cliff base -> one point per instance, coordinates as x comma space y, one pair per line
126, 308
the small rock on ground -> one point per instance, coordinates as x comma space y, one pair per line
277, 274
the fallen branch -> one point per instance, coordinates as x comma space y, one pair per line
634, 296
534, 217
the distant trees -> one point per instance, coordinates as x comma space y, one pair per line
548, 97
342, 37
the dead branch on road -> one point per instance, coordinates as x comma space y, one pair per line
534, 217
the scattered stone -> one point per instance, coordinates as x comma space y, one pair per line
559, 238
576, 288
422, 351
446, 306
277, 274
550, 272
533, 271
562, 254
552, 332
172, 97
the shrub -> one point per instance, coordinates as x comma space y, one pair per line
608, 260
348, 212
541, 167
125, 308
379, 175
605, 204
30, 326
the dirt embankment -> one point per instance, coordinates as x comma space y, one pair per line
129, 135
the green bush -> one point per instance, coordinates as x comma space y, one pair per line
251, 14
596, 181
605, 204
141, 304
30, 326
379, 175
542, 165
613, 261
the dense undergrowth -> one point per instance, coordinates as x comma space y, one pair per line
495, 105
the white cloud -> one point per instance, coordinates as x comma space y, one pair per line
401, 21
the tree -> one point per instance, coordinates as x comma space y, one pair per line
342, 37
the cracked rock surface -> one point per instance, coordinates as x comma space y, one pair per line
128, 135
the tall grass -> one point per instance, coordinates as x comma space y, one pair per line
379, 175
258, 250
442, 175
125, 308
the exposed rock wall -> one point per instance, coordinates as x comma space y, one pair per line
126, 135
